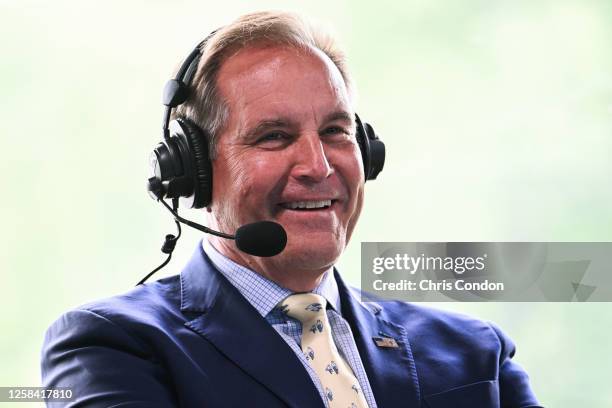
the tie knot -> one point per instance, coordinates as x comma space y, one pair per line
304, 306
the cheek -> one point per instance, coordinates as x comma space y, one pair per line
240, 181
354, 213
350, 169
229, 177
268, 172
358, 205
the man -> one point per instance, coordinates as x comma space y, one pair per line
239, 330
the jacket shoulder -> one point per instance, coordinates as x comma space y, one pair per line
108, 352
157, 298
422, 320
145, 308
430, 318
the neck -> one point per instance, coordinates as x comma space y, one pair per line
286, 275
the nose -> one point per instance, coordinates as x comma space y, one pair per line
312, 164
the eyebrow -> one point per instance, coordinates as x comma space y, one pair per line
339, 115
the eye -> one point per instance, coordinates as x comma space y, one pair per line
272, 137
273, 140
336, 133
334, 130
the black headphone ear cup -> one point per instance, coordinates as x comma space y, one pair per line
197, 142
372, 149
376, 153
364, 146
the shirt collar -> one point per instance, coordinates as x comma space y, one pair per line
262, 293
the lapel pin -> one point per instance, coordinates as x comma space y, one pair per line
385, 342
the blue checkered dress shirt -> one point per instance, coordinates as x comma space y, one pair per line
264, 295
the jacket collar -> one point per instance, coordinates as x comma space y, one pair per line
199, 283
239, 332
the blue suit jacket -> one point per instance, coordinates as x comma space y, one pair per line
193, 341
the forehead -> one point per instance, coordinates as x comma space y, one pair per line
267, 80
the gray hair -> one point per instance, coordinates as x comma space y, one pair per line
204, 106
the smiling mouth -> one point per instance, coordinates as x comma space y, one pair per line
307, 205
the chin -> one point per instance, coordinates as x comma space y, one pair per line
311, 253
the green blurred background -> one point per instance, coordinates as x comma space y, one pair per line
496, 116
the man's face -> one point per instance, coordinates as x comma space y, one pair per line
289, 143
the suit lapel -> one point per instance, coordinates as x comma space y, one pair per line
239, 332
391, 371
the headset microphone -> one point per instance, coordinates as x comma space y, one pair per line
262, 238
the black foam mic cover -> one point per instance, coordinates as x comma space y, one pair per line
263, 238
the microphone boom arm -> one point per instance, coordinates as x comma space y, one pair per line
195, 225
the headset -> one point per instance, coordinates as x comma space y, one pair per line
182, 169
181, 163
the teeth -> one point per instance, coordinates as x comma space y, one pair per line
307, 204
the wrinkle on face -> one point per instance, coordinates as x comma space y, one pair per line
238, 179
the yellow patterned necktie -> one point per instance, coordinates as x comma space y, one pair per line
339, 383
